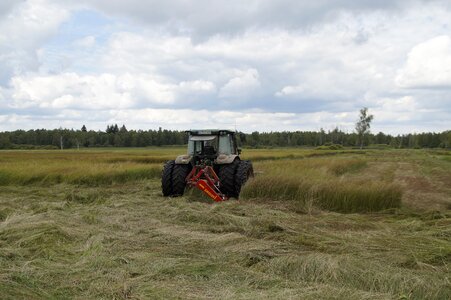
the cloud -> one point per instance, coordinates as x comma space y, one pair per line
265, 64
428, 65
98, 92
86, 42
7, 5
203, 18
26, 26
178, 119
241, 85
70, 90
197, 86
290, 90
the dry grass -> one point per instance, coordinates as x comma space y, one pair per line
125, 241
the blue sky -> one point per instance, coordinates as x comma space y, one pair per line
260, 64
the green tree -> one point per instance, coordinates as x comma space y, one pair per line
5, 143
363, 124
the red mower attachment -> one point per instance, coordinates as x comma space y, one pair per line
206, 180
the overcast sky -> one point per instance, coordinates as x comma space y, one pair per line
260, 64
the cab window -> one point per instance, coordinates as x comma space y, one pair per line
225, 144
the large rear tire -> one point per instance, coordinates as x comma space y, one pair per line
244, 172
226, 176
173, 179
166, 178
179, 174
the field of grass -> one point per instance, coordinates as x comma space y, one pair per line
312, 224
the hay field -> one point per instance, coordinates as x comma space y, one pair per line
312, 224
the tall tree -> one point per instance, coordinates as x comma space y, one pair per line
123, 129
363, 124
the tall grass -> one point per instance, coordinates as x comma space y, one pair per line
320, 183
90, 175
95, 167
87, 168
337, 196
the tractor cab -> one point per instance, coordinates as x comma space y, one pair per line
211, 144
206, 145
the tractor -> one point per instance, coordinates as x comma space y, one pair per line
212, 165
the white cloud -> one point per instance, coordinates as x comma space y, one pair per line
428, 65
7, 5
290, 90
204, 18
241, 85
23, 30
182, 119
293, 64
70, 90
86, 42
197, 86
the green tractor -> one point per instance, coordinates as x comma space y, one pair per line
212, 164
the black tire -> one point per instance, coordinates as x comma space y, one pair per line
166, 178
179, 174
226, 176
244, 172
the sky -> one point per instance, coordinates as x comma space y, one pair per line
255, 65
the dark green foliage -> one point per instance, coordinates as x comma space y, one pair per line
50, 139
121, 137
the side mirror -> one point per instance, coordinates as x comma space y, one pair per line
239, 150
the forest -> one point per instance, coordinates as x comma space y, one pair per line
115, 136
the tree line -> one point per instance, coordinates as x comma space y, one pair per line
115, 136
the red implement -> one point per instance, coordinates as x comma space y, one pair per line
206, 180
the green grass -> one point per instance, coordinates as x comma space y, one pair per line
80, 167
321, 182
286, 238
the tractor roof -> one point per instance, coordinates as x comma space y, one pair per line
209, 131
202, 137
